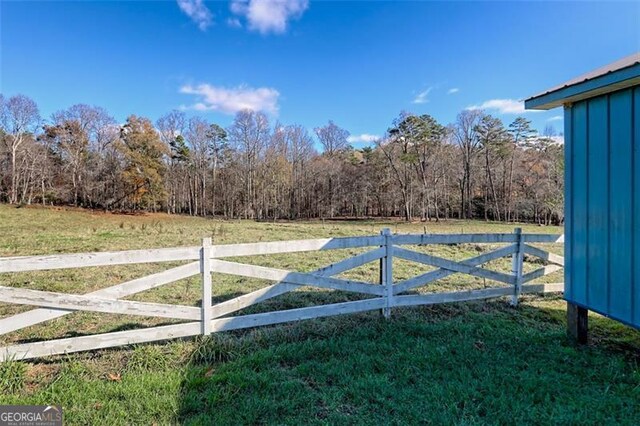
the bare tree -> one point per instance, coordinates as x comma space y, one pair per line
249, 134
397, 149
521, 132
334, 141
465, 132
19, 117
299, 151
171, 127
197, 140
71, 142
492, 137
333, 138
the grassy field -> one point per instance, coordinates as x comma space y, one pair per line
471, 363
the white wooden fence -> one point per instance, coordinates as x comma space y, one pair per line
208, 258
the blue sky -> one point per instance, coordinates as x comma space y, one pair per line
358, 63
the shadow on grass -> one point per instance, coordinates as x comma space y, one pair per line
222, 297
471, 363
70, 334
464, 363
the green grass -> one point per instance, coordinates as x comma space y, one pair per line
472, 363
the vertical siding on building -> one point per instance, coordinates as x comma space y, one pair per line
580, 206
620, 204
568, 202
636, 206
602, 204
598, 202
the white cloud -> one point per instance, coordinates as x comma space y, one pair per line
503, 106
363, 138
197, 11
234, 23
555, 118
232, 100
422, 96
268, 16
452, 91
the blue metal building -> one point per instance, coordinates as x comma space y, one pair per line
602, 195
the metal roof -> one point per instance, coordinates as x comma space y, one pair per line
617, 75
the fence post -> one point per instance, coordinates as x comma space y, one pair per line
517, 264
386, 272
205, 272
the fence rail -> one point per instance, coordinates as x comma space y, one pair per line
207, 259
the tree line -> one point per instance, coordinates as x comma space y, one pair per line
476, 167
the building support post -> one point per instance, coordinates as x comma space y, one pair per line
577, 323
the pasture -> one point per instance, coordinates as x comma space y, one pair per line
468, 363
